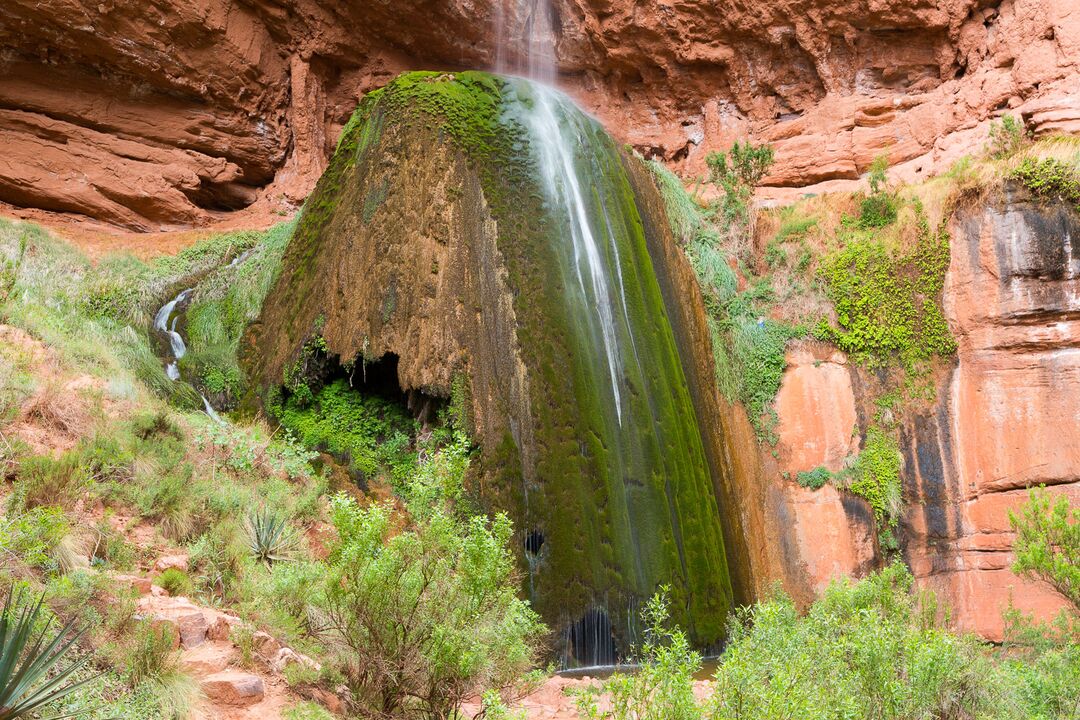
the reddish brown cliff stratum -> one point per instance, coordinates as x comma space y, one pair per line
167, 114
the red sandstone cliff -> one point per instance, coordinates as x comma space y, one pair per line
169, 114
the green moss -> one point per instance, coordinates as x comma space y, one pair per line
619, 517
888, 306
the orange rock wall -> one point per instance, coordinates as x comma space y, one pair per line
163, 114
1005, 419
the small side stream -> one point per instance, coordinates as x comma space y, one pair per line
165, 323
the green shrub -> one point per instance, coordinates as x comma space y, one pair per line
32, 536
434, 606
174, 581
879, 208
151, 653
1050, 179
45, 480
864, 650
370, 432
1047, 544
167, 498
876, 476
1006, 136
889, 306
737, 172
217, 557
814, 479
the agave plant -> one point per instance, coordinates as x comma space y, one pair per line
29, 658
269, 537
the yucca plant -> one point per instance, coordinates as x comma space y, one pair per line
30, 676
269, 537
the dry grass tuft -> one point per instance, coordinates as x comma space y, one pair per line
58, 409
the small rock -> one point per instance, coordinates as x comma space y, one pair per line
208, 659
158, 591
179, 561
141, 585
265, 644
328, 700
233, 687
221, 626
287, 656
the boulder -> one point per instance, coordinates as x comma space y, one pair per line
233, 688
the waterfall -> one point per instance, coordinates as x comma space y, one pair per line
176, 342
620, 342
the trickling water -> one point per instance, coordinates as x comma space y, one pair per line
176, 342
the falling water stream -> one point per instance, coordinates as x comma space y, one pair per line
165, 323
640, 441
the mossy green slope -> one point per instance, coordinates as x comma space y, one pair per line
624, 504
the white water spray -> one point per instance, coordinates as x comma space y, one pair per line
556, 126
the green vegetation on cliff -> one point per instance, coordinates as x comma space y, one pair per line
106, 477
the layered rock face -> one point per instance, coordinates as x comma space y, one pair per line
1007, 419
167, 114
432, 242
1004, 420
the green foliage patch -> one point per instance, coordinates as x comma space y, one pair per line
372, 433
1050, 179
887, 304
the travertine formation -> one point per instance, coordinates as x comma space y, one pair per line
166, 114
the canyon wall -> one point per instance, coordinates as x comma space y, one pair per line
1004, 420
166, 114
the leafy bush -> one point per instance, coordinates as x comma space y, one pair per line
371, 432
814, 479
1047, 544
175, 582
737, 172
889, 305
877, 474
33, 536
1006, 136
879, 208
434, 607
1050, 179
864, 650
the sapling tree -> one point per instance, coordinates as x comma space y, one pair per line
737, 172
1047, 543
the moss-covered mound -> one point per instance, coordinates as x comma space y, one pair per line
431, 239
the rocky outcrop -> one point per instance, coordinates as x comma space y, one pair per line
1004, 420
172, 114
